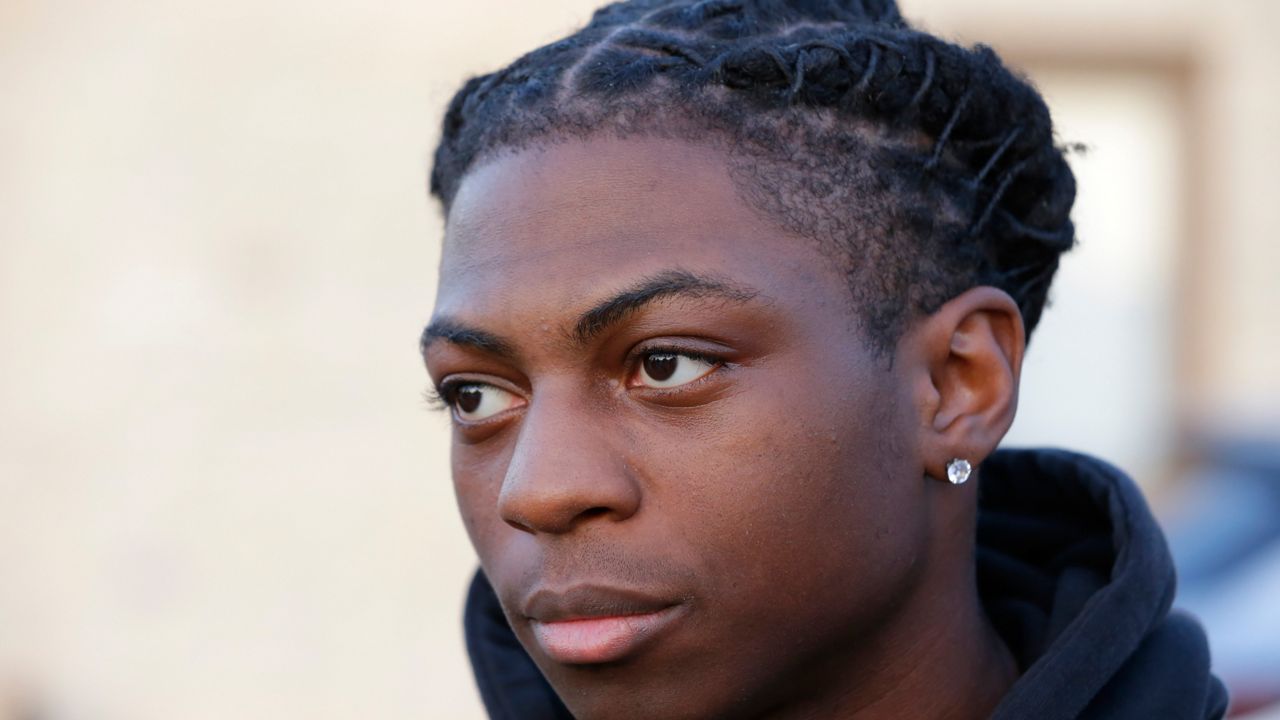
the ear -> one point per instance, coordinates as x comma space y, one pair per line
965, 360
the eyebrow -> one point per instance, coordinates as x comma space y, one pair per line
459, 334
666, 284
604, 315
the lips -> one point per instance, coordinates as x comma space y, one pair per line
588, 624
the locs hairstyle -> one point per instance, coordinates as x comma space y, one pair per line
923, 167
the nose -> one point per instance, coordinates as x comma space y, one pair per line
565, 471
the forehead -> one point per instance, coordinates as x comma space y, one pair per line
560, 222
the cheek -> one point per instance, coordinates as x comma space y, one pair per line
809, 494
477, 481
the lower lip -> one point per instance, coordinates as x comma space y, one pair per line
600, 639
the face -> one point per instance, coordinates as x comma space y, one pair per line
687, 475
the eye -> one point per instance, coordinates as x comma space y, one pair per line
474, 402
669, 369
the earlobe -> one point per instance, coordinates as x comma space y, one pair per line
972, 358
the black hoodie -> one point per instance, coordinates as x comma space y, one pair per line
1073, 571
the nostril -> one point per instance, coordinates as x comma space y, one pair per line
529, 525
518, 525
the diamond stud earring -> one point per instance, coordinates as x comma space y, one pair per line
958, 471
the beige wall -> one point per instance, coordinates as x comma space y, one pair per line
220, 495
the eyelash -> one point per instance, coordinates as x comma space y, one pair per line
434, 399
444, 396
674, 350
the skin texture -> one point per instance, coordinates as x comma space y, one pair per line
786, 503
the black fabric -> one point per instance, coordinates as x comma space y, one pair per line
1076, 576
1073, 571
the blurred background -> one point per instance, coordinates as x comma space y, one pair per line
220, 493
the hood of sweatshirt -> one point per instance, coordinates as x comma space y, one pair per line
1073, 571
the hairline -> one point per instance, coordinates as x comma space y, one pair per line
748, 167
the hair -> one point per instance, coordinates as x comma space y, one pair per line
930, 168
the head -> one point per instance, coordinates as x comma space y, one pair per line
724, 287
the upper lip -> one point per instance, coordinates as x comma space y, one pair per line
590, 601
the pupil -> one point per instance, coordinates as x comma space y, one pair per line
469, 399
660, 367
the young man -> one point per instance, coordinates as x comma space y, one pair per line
732, 309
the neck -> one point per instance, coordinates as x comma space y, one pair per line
937, 657
956, 668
